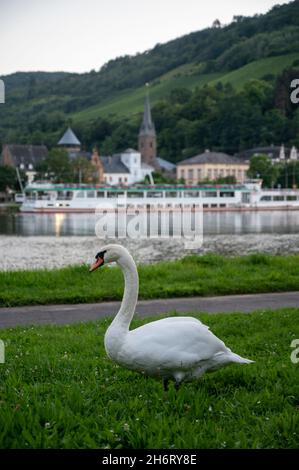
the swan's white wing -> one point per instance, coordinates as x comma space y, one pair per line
176, 319
169, 344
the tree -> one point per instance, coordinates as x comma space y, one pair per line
158, 178
8, 178
216, 24
57, 165
288, 175
226, 180
238, 18
261, 167
83, 170
179, 95
283, 92
221, 180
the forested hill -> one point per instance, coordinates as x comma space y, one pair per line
39, 105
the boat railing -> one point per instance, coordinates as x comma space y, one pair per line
64, 198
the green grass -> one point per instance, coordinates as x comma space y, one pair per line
59, 390
131, 101
193, 275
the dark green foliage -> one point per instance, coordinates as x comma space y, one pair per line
288, 176
159, 178
56, 166
223, 180
261, 167
221, 118
8, 178
83, 171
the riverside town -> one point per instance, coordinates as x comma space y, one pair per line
149, 232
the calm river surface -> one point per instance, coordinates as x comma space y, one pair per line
214, 223
32, 241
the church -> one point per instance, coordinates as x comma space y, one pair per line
129, 167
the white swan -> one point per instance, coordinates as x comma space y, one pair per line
179, 348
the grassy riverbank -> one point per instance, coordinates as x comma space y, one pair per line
194, 275
59, 390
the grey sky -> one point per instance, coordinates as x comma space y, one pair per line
80, 35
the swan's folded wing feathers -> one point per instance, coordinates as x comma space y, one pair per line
157, 344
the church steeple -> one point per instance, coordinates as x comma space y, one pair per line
147, 126
147, 141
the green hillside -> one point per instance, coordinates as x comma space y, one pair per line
131, 102
196, 87
188, 76
259, 69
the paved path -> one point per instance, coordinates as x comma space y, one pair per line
65, 314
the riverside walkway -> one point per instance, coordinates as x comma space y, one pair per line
67, 314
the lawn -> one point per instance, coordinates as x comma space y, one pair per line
193, 275
59, 390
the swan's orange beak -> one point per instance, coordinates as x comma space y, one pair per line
99, 262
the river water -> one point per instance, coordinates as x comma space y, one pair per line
214, 223
32, 241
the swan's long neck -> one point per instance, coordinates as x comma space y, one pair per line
123, 318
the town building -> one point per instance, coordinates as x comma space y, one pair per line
130, 166
24, 157
147, 138
166, 167
121, 169
70, 143
275, 152
124, 168
210, 166
147, 143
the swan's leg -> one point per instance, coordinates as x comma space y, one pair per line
178, 377
177, 385
166, 384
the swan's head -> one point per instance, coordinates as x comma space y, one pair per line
108, 254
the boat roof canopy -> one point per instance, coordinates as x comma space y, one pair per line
137, 188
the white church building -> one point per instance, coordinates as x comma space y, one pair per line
125, 168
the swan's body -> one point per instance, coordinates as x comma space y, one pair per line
179, 348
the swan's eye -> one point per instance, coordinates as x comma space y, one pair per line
100, 254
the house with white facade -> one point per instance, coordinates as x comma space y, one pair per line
125, 168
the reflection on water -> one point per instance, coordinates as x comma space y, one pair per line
251, 222
214, 223
47, 224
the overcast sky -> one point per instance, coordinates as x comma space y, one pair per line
80, 35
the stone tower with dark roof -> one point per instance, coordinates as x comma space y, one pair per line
70, 142
147, 139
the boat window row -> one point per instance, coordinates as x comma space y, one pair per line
280, 197
69, 195
156, 194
